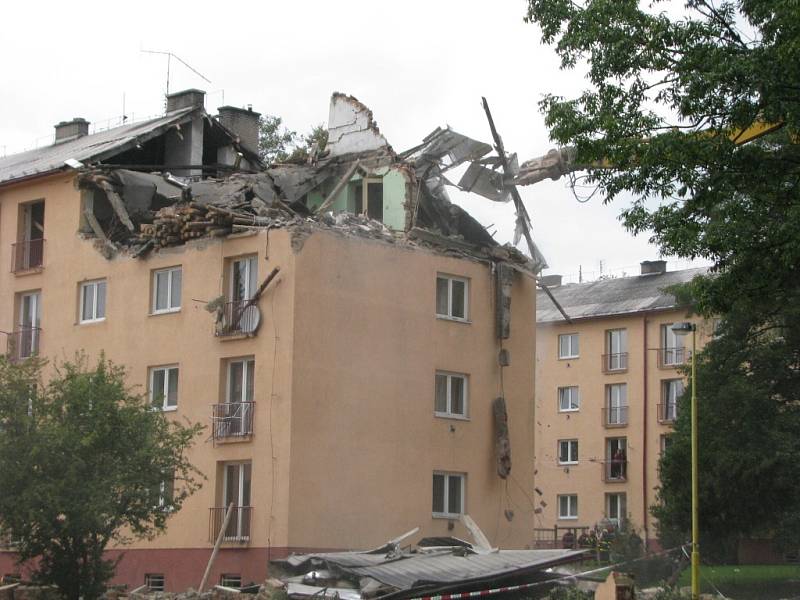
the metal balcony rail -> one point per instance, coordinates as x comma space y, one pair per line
236, 320
667, 412
23, 343
615, 416
615, 363
615, 470
673, 357
238, 529
232, 419
27, 256
558, 537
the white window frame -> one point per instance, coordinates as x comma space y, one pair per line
621, 500
572, 351
574, 396
445, 497
448, 412
170, 274
667, 336
669, 403
572, 507
155, 582
572, 448
164, 392
231, 580
250, 262
94, 285
449, 315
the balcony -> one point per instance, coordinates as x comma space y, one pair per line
23, 343
615, 363
615, 471
238, 529
238, 318
27, 256
670, 358
560, 537
232, 420
667, 413
615, 416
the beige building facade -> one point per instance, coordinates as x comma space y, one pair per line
607, 385
352, 404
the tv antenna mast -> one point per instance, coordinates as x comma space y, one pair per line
170, 56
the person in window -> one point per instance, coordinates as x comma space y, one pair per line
618, 464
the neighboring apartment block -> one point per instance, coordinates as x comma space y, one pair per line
350, 398
607, 385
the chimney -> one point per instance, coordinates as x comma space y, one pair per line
653, 267
185, 99
69, 130
550, 280
242, 123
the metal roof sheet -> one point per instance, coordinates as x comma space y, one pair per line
407, 571
609, 297
95, 146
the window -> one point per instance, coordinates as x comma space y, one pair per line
230, 580
167, 290
664, 442
568, 345
616, 404
371, 203
616, 507
616, 358
569, 399
568, 452
164, 387
673, 351
25, 340
568, 506
164, 492
452, 297
451, 395
244, 278
448, 494
616, 467
234, 417
236, 486
671, 390
28, 252
154, 582
93, 301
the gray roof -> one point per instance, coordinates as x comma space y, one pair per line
408, 571
96, 146
608, 297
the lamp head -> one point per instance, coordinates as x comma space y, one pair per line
683, 328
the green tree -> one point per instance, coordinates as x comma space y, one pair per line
667, 98
275, 141
84, 462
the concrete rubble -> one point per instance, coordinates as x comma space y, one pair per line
139, 211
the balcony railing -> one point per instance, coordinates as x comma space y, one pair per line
23, 343
615, 471
615, 416
238, 318
232, 420
667, 412
559, 537
27, 256
238, 529
673, 357
615, 363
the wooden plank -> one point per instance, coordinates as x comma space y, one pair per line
118, 205
338, 187
217, 544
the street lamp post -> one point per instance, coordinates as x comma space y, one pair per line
683, 329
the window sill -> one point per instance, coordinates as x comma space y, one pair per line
568, 357
170, 311
568, 518
453, 319
440, 415
92, 321
569, 410
30, 271
568, 464
448, 516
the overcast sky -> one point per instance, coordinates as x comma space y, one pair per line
417, 65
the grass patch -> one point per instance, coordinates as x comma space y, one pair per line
749, 582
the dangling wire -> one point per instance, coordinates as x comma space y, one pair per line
573, 183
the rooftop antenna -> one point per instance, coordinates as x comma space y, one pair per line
170, 56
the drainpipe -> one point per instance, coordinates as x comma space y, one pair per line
644, 433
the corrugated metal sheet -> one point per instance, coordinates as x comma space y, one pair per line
410, 570
89, 147
608, 297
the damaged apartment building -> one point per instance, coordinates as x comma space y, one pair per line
360, 348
